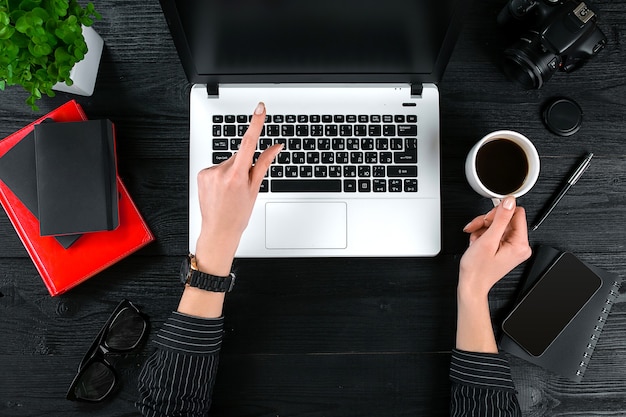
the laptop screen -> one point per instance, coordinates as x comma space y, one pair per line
313, 41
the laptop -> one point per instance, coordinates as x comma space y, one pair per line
350, 89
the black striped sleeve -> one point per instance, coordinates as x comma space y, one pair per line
178, 378
482, 386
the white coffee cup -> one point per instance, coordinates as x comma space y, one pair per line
503, 175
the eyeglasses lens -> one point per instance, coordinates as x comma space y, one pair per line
126, 330
95, 383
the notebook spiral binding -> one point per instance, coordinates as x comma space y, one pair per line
593, 339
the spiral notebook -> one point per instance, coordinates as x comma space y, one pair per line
571, 351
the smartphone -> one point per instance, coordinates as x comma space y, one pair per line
551, 304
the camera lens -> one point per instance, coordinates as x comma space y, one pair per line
529, 63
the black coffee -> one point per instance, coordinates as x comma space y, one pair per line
501, 166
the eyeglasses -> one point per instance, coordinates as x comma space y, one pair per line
123, 332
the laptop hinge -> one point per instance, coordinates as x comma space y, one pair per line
213, 89
416, 89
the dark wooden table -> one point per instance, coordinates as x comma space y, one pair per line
325, 337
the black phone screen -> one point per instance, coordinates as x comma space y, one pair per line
551, 304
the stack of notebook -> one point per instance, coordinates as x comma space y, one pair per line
60, 189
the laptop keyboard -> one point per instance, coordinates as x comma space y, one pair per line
330, 153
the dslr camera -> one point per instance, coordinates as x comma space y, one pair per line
556, 35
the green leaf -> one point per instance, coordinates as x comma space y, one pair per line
2, 85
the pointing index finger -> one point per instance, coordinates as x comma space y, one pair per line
250, 139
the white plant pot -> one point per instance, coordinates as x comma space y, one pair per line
85, 72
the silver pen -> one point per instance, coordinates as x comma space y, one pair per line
570, 182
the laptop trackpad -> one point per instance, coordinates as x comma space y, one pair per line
306, 225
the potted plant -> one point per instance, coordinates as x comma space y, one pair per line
40, 43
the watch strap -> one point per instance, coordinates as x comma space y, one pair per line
210, 282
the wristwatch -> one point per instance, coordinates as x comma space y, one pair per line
190, 275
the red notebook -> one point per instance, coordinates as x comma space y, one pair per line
60, 268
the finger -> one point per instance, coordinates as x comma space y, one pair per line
480, 222
502, 217
518, 228
263, 163
250, 139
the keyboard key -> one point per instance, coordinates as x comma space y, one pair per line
387, 118
229, 118
242, 118
356, 157
367, 144
399, 118
317, 130
303, 118
364, 118
328, 158
284, 158
273, 130
241, 130
349, 171
308, 144
320, 171
371, 157
331, 130
230, 130
312, 157
290, 118
294, 144
217, 130
219, 157
327, 118
353, 144
395, 186
276, 171
407, 130
279, 118
410, 144
375, 118
265, 143
351, 118
382, 144
323, 144
408, 157
334, 171
389, 130
302, 130
315, 118
291, 171
396, 144
298, 158
365, 186
360, 130
349, 186
410, 185
287, 130
374, 130
364, 171
380, 186
378, 171
338, 144
220, 144
385, 158
312, 185
345, 130
235, 143
341, 157
264, 186
306, 171
218, 118
411, 118
402, 171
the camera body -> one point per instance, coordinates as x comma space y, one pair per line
553, 35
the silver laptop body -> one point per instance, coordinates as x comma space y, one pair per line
372, 195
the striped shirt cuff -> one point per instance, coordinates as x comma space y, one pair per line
191, 335
484, 370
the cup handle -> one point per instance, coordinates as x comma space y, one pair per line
496, 201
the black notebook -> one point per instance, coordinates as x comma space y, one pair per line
76, 177
17, 171
569, 354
